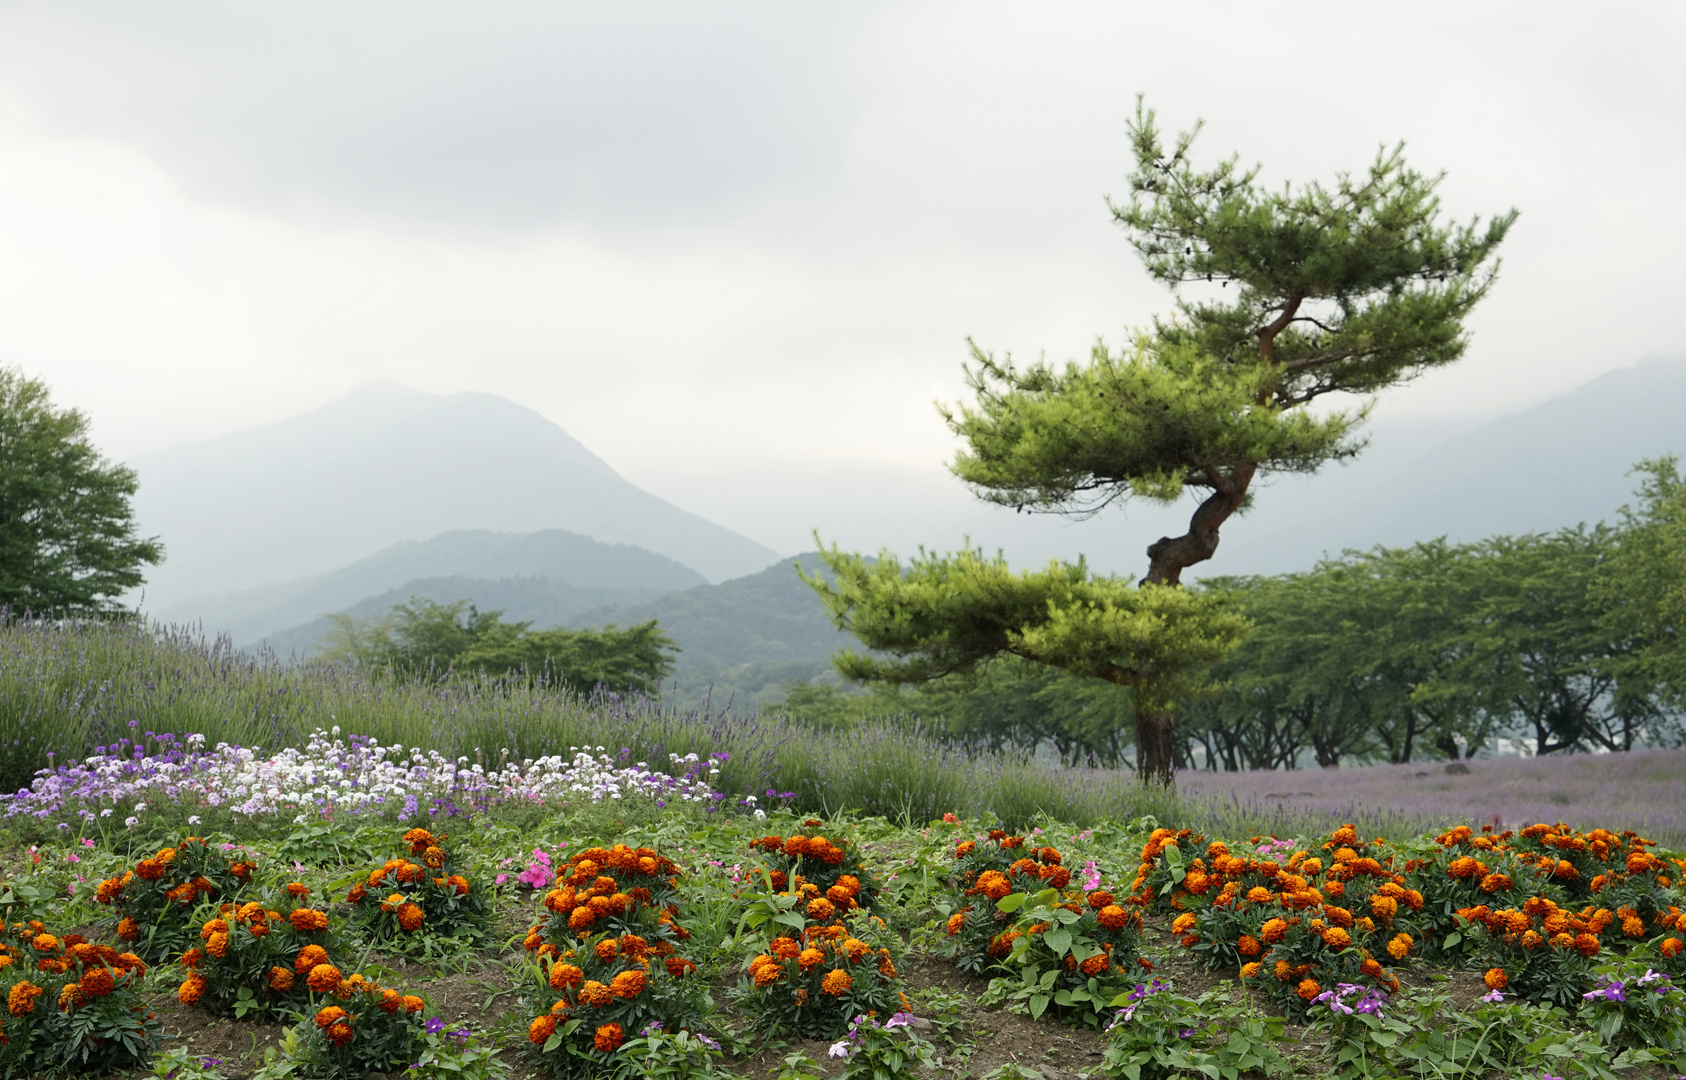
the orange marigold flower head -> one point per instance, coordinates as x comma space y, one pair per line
628, 984
1633, 926
419, 840
820, 909
1400, 946
1250, 970
1100, 898
280, 979
339, 1034
329, 1016
564, 975
1282, 970
97, 982
323, 978
836, 982
1113, 917
191, 988
1183, 923
608, 1038
1248, 945
192, 958
1336, 938
297, 889
1258, 894
20, 1001
217, 946
309, 957
46, 943
1587, 944
1308, 989
810, 958
677, 966
581, 918
1496, 979
785, 948
413, 1004
595, 994
541, 1029
1274, 930
1383, 907
308, 919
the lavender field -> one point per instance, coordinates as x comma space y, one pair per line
1644, 790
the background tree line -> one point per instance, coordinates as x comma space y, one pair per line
1545, 643
423, 638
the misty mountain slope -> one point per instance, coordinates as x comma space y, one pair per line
541, 601
1560, 463
383, 465
743, 635
619, 572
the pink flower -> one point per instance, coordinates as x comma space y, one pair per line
1091, 876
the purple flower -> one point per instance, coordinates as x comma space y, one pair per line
434, 1025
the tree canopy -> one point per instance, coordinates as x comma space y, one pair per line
422, 637
67, 530
1284, 295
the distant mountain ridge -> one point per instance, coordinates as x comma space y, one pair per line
384, 465
1557, 464
584, 571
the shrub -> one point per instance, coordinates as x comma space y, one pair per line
813, 983
252, 958
358, 1028
617, 890
155, 902
1294, 935
587, 1001
407, 903
71, 1006
798, 859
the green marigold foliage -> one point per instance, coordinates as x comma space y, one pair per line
811, 983
263, 956
361, 1029
156, 901
588, 1001
405, 904
1017, 913
833, 868
71, 1006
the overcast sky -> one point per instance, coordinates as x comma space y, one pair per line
720, 243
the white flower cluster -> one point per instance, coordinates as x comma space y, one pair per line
328, 776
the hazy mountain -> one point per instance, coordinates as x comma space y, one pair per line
1560, 463
384, 465
741, 636
577, 572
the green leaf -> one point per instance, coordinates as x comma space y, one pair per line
1038, 1005
1058, 940
1011, 902
1451, 940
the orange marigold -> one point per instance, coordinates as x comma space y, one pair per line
1399, 946
1274, 930
1496, 979
280, 979
191, 989
329, 1016
309, 957
21, 1000
308, 919
836, 982
410, 918
628, 984
541, 1029
595, 994
323, 978
1308, 989
608, 1038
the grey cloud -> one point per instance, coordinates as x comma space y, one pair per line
511, 113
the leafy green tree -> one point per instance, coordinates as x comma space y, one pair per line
422, 637
1294, 294
1564, 676
67, 531
1643, 589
